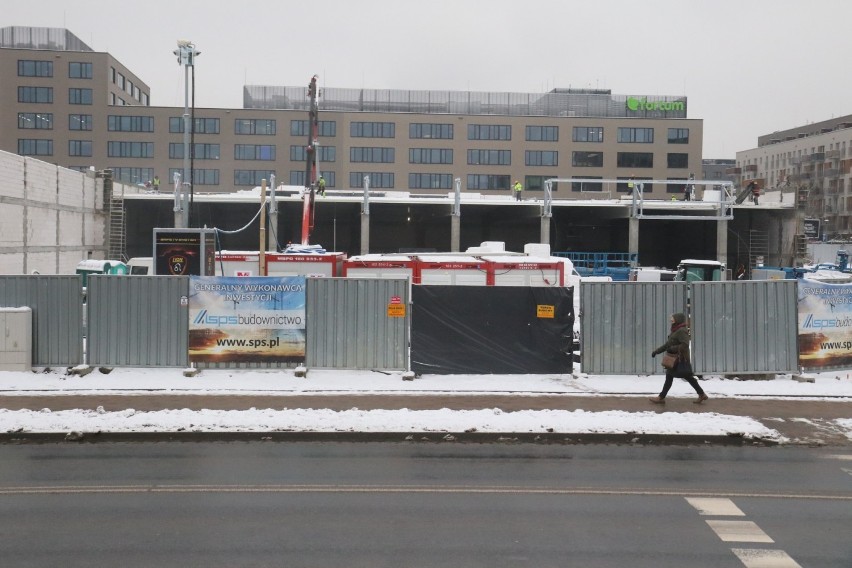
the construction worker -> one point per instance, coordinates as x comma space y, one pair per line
321, 185
518, 189
156, 184
755, 191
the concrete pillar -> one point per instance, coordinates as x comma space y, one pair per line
365, 233
633, 235
455, 233
722, 241
545, 230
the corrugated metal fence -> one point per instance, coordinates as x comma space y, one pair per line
349, 327
737, 327
137, 321
622, 322
57, 307
744, 327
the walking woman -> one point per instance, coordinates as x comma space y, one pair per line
678, 344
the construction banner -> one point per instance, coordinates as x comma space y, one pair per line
825, 325
260, 319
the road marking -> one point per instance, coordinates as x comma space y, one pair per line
846, 457
849, 471
715, 507
754, 558
437, 489
739, 531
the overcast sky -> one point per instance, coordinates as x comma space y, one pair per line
748, 67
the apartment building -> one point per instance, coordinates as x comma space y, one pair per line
813, 161
68, 105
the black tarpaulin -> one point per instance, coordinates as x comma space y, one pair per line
491, 330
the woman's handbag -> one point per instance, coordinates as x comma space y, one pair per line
669, 360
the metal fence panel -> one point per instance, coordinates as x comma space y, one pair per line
349, 326
622, 322
744, 327
136, 321
57, 304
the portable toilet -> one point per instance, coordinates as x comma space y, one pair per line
86, 267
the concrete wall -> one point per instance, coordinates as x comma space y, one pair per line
51, 218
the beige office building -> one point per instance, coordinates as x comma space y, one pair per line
66, 104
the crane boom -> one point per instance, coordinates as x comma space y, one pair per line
310, 163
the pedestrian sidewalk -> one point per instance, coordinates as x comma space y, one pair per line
782, 410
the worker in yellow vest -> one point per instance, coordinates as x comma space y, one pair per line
518, 189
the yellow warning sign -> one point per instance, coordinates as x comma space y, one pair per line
396, 310
546, 311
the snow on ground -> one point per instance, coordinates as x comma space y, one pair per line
224, 382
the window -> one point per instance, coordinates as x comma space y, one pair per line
117, 123
676, 188
252, 177
79, 122
372, 155
132, 175
199, 176
35, 94
79, 70
430, 181
678, 135
120, 81
582, 186
254, 152
635, 160
372, 130
378, 180
130, 149
199, 151
637, 135
536, 183
263, 127
35, 120
202, 125
678, 160
28, 68
29, 147
543, 133
588, 134
489, 157
587, 159
80, 96
326, 154
488, 132
433, 131
302, 128
541, 158
79, 147
491, 182
430, 156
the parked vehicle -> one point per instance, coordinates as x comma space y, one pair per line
141, 265
691, 270
87, 267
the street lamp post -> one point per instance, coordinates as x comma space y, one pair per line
186, 54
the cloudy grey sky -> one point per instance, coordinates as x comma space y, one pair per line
748, 67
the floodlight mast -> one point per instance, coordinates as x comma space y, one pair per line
186, 54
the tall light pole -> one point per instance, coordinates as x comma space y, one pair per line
186, 54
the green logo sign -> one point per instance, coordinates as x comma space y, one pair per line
635, 104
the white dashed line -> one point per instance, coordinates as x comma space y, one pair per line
739, 531
753, 558
715, 507
845, 457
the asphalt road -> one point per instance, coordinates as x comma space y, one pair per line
370, 504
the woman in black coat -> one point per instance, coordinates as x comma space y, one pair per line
678, 344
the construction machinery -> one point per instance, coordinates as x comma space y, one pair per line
311, 163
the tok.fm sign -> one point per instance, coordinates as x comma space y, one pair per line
634, 104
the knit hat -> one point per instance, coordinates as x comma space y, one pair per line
679, 318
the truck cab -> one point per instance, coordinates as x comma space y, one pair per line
690, 270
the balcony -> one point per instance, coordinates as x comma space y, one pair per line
795, 160
833, 155
831, 172
817, 157
750, 168
733, 171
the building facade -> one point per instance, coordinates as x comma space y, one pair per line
77, 108
814, 158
